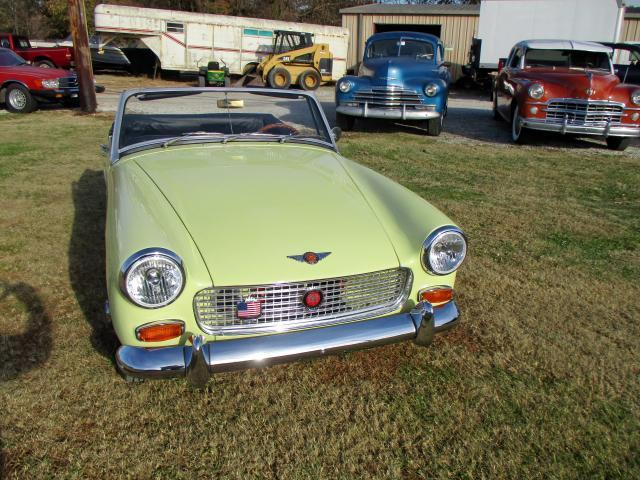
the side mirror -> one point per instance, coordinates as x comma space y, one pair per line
336, 133
446, 64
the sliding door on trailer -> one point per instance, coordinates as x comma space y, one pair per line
199, 45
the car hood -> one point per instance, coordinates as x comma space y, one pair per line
39, 73
249, 207
573, 83
390, 70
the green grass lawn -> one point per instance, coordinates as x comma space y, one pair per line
541, 379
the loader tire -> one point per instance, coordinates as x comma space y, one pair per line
279, 78
309, 80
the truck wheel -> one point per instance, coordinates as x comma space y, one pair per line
618, 143
19, 100
434, 125
345, 122
44, 64
519, 134
309, 80
279, 78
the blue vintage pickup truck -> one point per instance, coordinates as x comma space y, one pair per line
402, 77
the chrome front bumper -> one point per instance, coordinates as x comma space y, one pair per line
565, 127
201, 359
392, 114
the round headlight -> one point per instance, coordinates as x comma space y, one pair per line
635, 97
444, 250
344, 86
536, 91
152, 278
430, 89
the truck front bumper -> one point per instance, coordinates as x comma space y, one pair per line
201, 359
400, 113
608, 130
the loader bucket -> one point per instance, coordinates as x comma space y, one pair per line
249, 80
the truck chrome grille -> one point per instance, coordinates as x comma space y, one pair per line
584, 112
387, 97
344, 299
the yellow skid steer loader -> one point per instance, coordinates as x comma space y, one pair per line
295, 60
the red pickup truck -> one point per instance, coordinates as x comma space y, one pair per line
51, 57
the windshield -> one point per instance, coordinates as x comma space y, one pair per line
567, 58
10, 59
177, 116
396, 47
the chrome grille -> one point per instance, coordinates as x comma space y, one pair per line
68, 82
381, 97
584, 112
344, 299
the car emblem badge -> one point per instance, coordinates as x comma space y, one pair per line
590, 91
310, 257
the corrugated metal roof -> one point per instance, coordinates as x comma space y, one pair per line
386, 9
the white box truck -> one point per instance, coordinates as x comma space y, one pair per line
503, 23
186, 41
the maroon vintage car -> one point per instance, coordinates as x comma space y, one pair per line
23, 87
567, 87
48, 57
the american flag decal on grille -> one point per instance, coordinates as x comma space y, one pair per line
248, 309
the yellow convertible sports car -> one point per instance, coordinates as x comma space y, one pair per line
237, 237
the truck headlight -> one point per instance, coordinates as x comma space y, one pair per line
444, 250
152, 278
635, 97
430, 89
536, 91
53, 83
344, 86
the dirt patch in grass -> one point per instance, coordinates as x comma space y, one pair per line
540, 380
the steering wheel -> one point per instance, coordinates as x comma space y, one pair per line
279, 129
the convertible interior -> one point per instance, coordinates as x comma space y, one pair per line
138, 128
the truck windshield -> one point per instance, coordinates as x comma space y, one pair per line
10, 59
396, 47
180, 116
567, 59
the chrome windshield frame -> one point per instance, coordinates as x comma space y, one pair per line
115, 152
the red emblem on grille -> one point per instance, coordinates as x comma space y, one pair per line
310, 257
312, 298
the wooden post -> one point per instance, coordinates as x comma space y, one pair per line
82, 55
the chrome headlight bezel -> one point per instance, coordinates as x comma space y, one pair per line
148, 254
432, 240
536, 91
345, 86
635, 97
431, 89
52, 83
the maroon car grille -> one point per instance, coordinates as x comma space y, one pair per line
584, 112
68, 82
282, 307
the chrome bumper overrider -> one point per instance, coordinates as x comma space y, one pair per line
401, 113
199, 360
566, 127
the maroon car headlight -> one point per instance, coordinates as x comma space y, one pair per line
152, 278
52, 83
536, 91
444, 250
635, 97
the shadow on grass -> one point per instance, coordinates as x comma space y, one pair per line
87, 258
31, 348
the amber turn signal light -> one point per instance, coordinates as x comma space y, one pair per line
159, 332
437, 295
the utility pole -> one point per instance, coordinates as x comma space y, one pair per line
82, 55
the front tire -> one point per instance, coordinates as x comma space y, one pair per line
279, 78
345, 122
309, 80
18, 99
519, 134
618, 143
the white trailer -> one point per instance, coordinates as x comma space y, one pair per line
185, 41
503, 23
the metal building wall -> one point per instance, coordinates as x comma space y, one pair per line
457, 32
630, 29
